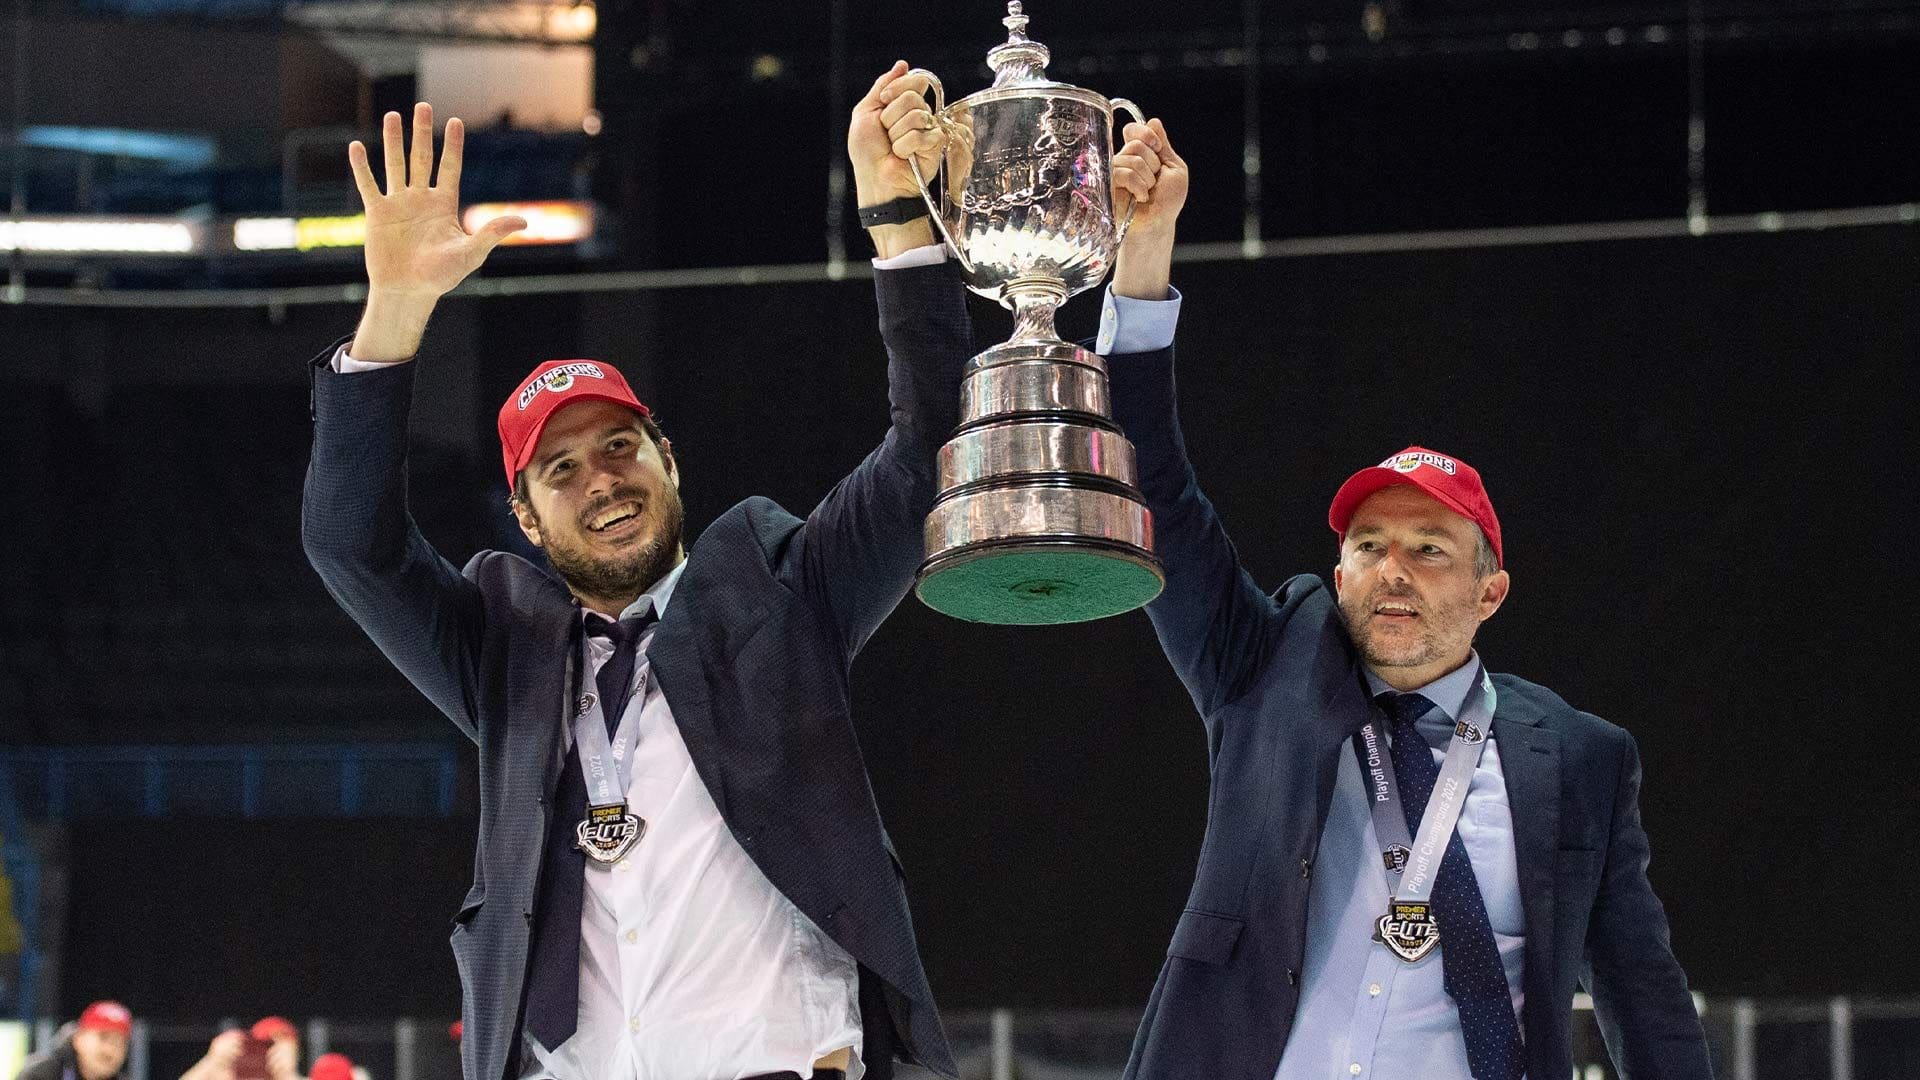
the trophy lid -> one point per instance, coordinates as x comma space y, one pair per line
1018, 61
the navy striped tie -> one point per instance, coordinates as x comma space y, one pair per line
1473, 975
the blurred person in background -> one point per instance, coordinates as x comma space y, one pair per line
724, 901
269, 1050
1357, 745
96, 1050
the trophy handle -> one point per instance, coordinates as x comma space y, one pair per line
913, 162
1120, 237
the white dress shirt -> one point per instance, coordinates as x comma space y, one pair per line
693, 966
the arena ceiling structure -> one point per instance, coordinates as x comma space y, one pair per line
1343, 118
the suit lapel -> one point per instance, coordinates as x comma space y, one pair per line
674, 659
540, 682
1530, 764
1345, 709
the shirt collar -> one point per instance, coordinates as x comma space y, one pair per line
655, 597
1449, 691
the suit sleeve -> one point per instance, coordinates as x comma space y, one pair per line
1213, 621
857, 551
358, 534
1639, 991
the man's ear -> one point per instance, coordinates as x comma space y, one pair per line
529, 521
1493, 594
666, 457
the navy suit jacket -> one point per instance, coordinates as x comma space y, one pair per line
1281, 691
752, 655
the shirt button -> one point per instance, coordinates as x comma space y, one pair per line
621, 865
1354, 1068
1374, 990
634, 935
634, 1025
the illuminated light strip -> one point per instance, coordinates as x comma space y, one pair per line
330, 232
264, 234
554, 222
551, 222
81, 236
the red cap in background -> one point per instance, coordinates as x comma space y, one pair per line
551, 387
107, 1016
273, 1027
331, 1067
1452, 482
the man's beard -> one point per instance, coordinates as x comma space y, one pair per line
630, 572
1425, 647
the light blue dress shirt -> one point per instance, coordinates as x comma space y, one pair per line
1363, 1012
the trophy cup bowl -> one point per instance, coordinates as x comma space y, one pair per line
1038, 519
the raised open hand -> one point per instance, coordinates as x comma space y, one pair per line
415, 243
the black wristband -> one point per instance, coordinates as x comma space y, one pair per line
898, 212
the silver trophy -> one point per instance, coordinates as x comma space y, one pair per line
1038, 518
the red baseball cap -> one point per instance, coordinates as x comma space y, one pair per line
331, 1067
553, 386
1453, 482
270, 1028
107, 1016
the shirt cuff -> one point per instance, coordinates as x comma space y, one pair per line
347, 365
924, 255
1128, 325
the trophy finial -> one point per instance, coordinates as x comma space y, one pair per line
1016, 21
1019, 60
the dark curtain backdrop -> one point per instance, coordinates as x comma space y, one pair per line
1699, 448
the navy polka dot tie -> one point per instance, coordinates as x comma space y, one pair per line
1473, 975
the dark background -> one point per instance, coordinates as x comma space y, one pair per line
1700, 448
1697, 446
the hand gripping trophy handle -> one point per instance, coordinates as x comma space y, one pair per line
1120, 234
913, 162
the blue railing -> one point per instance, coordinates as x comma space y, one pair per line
247, 781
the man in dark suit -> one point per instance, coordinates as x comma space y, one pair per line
680, 870
1339, 723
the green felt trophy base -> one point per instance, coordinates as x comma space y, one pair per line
1038, 584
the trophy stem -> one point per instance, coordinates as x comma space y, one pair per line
1034, 300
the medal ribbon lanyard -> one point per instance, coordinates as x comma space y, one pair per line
1413, 863
607, 766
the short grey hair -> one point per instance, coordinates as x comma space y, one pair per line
1485, 562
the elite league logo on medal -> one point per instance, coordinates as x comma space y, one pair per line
1408, 929
608, 832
